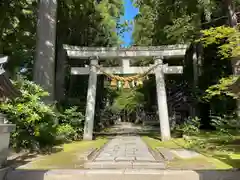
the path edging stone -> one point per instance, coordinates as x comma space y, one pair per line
87, 155
166, 153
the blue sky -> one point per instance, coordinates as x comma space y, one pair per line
130, 13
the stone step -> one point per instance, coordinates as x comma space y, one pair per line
124, 165
123, 174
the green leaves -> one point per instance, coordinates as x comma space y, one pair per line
227, 40
32, 117
36, 122
167, 22
128, 100
183, 29
226, 37
80, 22
13, 25
191, 126
222, 88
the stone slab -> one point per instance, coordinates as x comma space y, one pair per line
124, 165
166, 153
107, 165
139, 158
185, 154
125, 149
148, 165
128, 174
125, 152
106, 158
50, 175
125, 158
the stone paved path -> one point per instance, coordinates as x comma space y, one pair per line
125, 152
128, 148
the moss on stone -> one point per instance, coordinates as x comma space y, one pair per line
70, 158
211, 158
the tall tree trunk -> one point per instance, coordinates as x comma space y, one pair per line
232, 21
198, 55
44, 65
232, 17
60, 73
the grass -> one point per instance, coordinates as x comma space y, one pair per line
153, 143
217, 151
221, 147
69, 158
200, 162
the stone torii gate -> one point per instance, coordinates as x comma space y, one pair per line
158, 53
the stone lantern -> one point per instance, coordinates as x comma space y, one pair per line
7, 90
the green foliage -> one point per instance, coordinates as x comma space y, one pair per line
98, 27
99, 21
17, 32
18, 28
226, 38
128, 100
35, 121
190, 126
182, 30
226, 123
107, 118
222, 88
72, 118
169, 22
226, 126
65, 132
224, 137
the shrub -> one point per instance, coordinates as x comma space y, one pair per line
73, 118
190, 127
35, 121
65, 132
107, 118
225, 124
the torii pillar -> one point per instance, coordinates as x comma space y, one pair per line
91, 101
162, 100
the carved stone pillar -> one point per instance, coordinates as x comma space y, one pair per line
91, 101
162, 101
